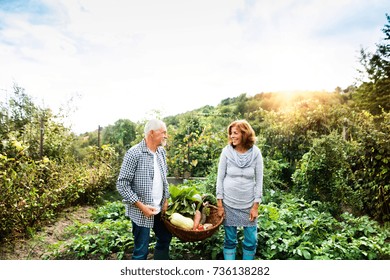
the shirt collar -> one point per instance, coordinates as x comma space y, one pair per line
145, 148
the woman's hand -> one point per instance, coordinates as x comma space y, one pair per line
221, 210
254, 213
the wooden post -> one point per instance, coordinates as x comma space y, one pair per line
99, 128
187, 174
41, 139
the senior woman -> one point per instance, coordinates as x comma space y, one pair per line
239, 189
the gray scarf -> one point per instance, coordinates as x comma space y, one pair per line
241, 160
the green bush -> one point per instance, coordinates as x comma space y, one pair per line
371, 163
33, 191
325, 174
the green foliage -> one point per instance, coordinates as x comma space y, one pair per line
208, 249
184, 200
42, 132
290, 228
210, 182
120, 135
39, 178
325, 174
107, 240
273, 173
109, 211
286, 135
18, 113
33, 191
107, 237
193, 146
371, 163
352, 173
313, 140
373, 93
296, 229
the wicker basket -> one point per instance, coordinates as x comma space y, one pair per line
196, 235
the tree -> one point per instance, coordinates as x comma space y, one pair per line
374, 92
120, 135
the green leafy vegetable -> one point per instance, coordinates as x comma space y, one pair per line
184, 200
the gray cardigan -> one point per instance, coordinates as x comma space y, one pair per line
240, 177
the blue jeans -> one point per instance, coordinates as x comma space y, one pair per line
142, 238
250, 238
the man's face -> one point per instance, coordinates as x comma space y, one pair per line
160, 136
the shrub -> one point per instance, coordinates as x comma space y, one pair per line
325, 174
34, 190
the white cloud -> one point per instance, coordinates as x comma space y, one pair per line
126, 58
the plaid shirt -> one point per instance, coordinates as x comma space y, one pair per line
135, 181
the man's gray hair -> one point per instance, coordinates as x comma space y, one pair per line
154, 124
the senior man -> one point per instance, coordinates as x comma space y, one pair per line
142, 182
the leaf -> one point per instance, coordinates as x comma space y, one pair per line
306, 254
197, 197
184, 200
175, 191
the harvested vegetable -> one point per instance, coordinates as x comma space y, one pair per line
187, 209
207, 226
205, 212
200, 227
180, 221
208, 197
203, 217
197, 218
183, 200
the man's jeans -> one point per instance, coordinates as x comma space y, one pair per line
142, 239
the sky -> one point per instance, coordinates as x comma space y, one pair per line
127, 59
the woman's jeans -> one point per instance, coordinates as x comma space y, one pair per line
249, 243
142, 239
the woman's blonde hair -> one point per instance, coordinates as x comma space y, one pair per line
248, 134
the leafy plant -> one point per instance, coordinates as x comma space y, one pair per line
109, 211
325, 174
296, 229
183, 200
108, 236
109, 239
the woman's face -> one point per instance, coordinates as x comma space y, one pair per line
235, 136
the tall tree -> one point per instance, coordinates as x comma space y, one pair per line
120, 135
374, 92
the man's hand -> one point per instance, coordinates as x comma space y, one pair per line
147, 210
